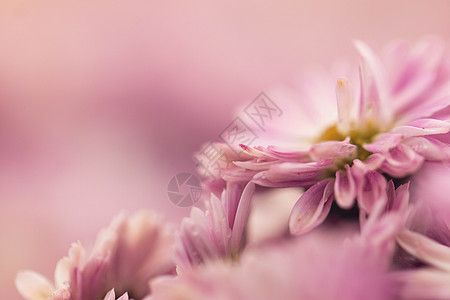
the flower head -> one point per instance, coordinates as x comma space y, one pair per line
388, 125
126, 255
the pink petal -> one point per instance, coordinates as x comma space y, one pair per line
230, 198
123, 297
425, 249
401, 161
374, 88
422, 127
384, 143
430, 148
241, 217
424, 283
346, 106
372, 190
288, 154
359, 168
111, 295
265, 179
312, 207
256, 166
292, 172
333, 149
33, 286
425, 109
220, 229
345, 188
399, 201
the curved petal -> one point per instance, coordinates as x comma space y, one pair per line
425, 249
359, 168
241, 217
312, 207
292, 172
347, 106
333, 149
33, 286
401, 161
374, 88
345, 188
65, 267
424, 283
111, 295
123, 297
429, 148
372, 190
422, 127
384, 143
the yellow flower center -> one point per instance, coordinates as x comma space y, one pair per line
358, 137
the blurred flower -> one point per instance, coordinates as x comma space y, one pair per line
298, 269
216, 232
431, 213
430, 282
381, 227
384, 127
126, 255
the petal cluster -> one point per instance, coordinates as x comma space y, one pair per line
387, 125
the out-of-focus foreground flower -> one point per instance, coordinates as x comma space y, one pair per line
127, 254
316, 266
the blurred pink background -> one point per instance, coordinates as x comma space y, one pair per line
102, 102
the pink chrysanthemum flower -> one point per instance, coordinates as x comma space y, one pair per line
386, 127
127, 254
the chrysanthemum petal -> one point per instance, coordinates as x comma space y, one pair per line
241, 217
401, 161
33, 286
372, 190
345, 188
312, 207
289, 171
384, 143
333, 150
431, 149
424, 283
425, 249
373, 87
111, 295
422, 127
346, 106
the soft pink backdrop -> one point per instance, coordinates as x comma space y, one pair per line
102, 102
